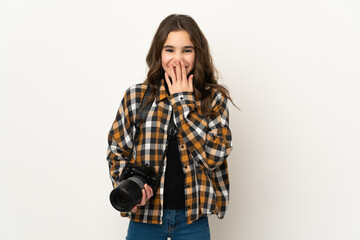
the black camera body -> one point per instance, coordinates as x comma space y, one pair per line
132, 180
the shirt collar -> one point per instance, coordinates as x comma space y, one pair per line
162, 92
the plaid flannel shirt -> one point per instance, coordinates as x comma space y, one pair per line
204, 145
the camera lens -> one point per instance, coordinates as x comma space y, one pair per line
127, 194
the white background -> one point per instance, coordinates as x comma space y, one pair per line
291, 66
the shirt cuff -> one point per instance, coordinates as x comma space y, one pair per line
181, 99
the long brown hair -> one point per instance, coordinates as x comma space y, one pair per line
205, 73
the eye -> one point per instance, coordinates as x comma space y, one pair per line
169, 50
188, 51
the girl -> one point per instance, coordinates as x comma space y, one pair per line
195, 182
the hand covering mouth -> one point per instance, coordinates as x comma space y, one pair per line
175, 67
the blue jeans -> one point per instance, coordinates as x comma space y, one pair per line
173, 226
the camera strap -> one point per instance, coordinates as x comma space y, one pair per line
140, 118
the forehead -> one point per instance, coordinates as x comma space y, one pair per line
178, 38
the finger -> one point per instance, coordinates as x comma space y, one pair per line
178, 71
183, 70
172, 73
143, 199
147, 190
168, 82
134, 209
191, 82
168, 70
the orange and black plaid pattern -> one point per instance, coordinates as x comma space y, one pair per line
204, 145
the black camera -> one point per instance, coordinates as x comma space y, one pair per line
129, 191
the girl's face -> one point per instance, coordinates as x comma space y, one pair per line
177, 47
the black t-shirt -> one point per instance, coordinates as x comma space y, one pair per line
174, 196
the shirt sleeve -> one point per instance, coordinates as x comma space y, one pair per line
120, 137
209, 138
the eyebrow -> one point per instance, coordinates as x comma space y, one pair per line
169, 46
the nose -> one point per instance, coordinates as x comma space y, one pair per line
178, 56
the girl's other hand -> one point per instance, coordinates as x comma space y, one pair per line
179, 83
147, 193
